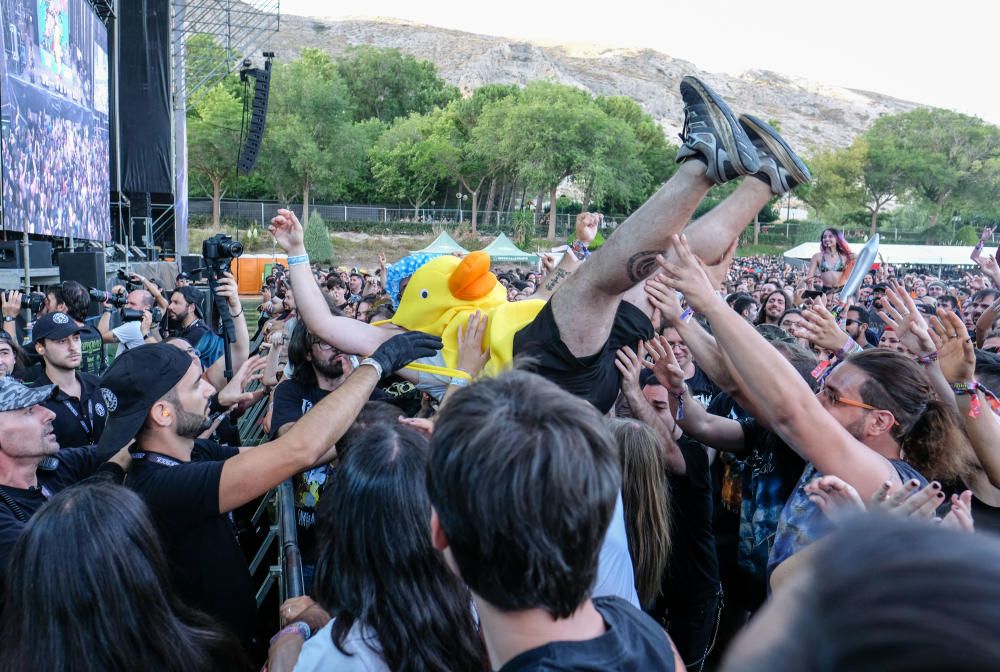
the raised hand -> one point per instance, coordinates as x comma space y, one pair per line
956, 355
471, 357
629, 365
226, 287
834, 497
820, 328
233, 393
586, 226
960, 515
287, 232
688, 276
664, 365
663, 299
990, 268
900, 312
909, 499
12, 303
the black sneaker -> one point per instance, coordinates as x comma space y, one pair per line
712, 135
780, 167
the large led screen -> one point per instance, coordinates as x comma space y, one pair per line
54, 116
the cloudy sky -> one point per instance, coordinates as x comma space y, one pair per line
945, 54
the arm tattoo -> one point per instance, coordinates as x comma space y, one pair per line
558, 276
641, 264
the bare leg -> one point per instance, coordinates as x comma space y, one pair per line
584, 307
711, 234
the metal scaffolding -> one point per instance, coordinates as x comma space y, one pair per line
212, 37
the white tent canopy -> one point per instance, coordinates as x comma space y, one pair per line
912, 255
503, 249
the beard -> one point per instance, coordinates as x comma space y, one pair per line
333, 369
191, 425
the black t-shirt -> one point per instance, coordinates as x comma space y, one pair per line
693, 571
74, 464
634, 642
292, 400
985, 517
207, 567
701, 387
78, 422
92, 351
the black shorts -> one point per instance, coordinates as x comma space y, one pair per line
594, 378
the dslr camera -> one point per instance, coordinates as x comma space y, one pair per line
133, 315
219, 252
32, 301
101, 296
126, 279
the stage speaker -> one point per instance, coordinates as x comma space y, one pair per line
87, 268
39, 251
190, 263
255, 134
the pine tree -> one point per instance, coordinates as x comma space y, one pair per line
317, 240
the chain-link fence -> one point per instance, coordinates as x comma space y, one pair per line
254, 213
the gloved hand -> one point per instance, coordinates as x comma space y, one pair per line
402, 349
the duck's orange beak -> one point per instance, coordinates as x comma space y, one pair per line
472, 279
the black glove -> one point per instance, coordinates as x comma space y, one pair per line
402, 349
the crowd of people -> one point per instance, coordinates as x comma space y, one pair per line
54, 178
683, 460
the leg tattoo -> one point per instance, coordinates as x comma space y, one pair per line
641, 265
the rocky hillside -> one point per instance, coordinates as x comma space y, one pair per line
812, 116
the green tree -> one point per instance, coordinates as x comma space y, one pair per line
654, 152
313, 149
855, 178
940, 156
407, 161
213, 134
316, 238
386, 84
553, 132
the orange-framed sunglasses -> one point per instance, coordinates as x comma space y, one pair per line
835, 399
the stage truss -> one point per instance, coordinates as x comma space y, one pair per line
237, 29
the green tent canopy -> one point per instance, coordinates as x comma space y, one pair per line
502, 249
443, 244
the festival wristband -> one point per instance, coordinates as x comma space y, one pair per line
298, 259
850, 346
970, 388
929, 358
686, 315
296, 628
368, 361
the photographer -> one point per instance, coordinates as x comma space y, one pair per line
156, 397
73, 299
130, 333
185, 311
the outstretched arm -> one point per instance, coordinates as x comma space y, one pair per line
313, 437
343, 333
784, 401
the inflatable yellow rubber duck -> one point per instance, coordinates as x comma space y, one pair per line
445, 291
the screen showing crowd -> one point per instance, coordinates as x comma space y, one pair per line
54, 118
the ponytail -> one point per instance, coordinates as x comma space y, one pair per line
935, 445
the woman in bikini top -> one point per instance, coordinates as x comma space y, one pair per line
833, 261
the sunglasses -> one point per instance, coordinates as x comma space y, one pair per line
835, 399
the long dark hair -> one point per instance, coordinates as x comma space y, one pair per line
87, 588
646, 501
839, 243
299, 349
928, 431
377, 566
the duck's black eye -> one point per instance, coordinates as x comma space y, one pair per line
424, 293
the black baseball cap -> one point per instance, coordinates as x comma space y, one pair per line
54, 326
192, 295
183, 275
134, 382
15, 396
